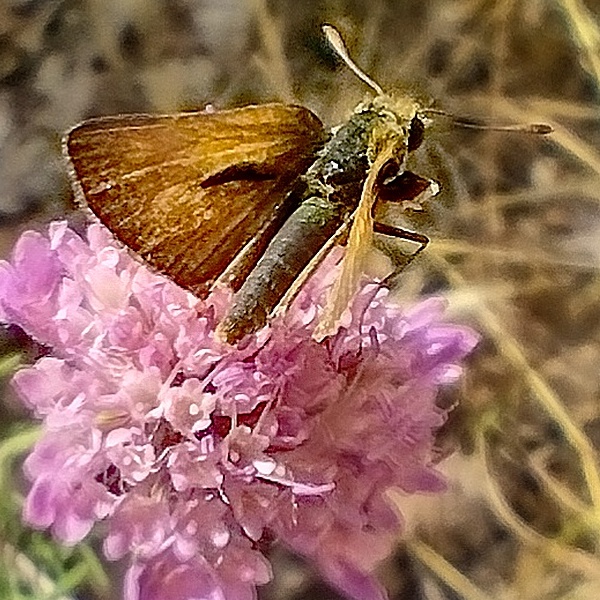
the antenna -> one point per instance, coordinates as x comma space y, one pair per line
337, 43
537, 128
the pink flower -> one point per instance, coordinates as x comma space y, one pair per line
194, 451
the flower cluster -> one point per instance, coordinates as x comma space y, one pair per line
195, 452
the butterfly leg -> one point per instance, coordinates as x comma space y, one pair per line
403, 234
400, 261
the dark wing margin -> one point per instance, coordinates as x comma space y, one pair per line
187, 192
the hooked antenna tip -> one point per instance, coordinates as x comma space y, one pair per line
337, 43
541, 128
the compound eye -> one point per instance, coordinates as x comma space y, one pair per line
415, 134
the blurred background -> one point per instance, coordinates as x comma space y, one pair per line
514, 248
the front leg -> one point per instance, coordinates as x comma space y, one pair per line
400, 260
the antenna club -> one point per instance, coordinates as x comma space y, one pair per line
541, 128
337, 43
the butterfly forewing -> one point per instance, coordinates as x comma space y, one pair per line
188, 191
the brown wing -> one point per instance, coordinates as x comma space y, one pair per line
188, 191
